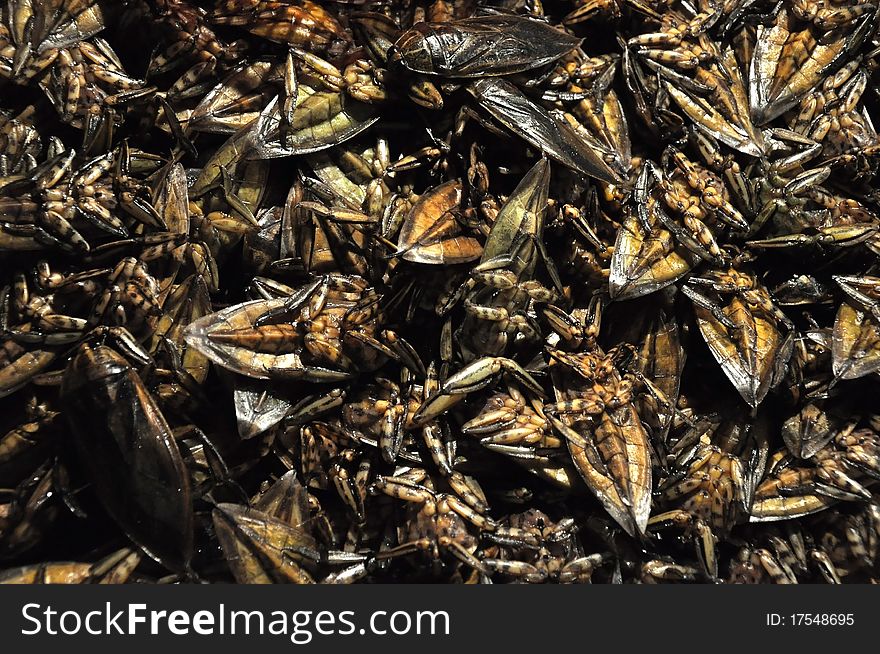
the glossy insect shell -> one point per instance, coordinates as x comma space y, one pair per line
129, 454
481, 46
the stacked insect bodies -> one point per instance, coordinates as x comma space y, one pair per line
328, 330
540, 550
597, 416
457, 292
55, 47
498, 306
58, 194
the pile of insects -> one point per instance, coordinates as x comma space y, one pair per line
449, 291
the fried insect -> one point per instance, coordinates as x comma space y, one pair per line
130, 454
272, 541
595, 412
792, 489
483, 45
536, 550
326, 330
791, 59
749, 336
114, 569
436, 523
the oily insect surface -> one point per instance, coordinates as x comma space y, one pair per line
448, 291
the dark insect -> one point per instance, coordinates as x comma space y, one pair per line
484, 45
129, 453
